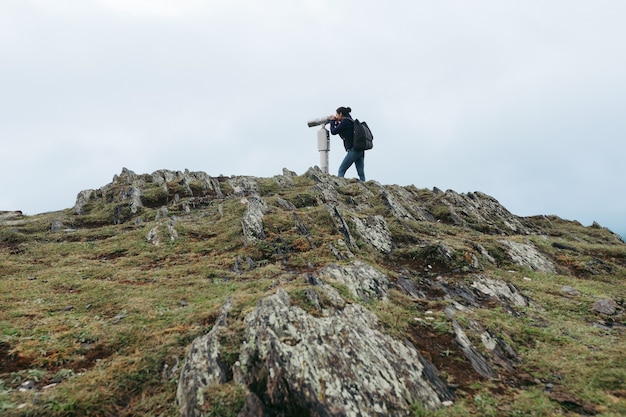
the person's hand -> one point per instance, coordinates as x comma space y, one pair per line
332, 118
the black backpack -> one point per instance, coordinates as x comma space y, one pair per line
363, 138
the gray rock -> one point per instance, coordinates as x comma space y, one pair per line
605, 306
253, 407
341, 250
375, 231
340, 223
478, 210
326, 193
134, 195
500, 290
336, 365
570, 291
252, 221
408, 287
364, 281
203, 367
478, 361
480, 248
527, 255
285, 180
404, 203
244, 185
81, 200
57, 225
163, 227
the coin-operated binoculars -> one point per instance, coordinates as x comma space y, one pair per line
323, 141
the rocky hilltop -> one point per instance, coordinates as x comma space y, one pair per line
178, 293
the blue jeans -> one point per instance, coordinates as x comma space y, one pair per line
353, 157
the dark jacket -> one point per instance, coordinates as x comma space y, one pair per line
345, 129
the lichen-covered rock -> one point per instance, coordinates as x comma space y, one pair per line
204, 366
375, 231
162, 228
481, 211
252, 221
527, 255
478, 361
285, 180
244, 185
82, 199
363, 280
499, 290
336, 365
606, 306
403, 204
340, 223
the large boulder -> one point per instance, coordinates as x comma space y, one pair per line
338, 364
335, 361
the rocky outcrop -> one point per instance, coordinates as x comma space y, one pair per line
337, 362
333, 358
482, 212
340, 297
327, 353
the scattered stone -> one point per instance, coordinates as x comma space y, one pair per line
27, 386
155, 233
605, 306
285, 180
569, 291
243, 186
57, 225
119, 318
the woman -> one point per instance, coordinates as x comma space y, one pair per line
343, 125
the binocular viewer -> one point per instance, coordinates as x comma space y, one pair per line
323, 140
318, 121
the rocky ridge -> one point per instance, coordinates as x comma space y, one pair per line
322, 350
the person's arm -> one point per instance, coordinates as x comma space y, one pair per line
336, 128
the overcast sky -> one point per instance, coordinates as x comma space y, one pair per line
522, 100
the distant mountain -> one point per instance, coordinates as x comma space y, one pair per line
178, 293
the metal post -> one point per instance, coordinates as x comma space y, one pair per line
323, 140
323, 145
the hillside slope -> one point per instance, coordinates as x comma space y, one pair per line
179, 293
